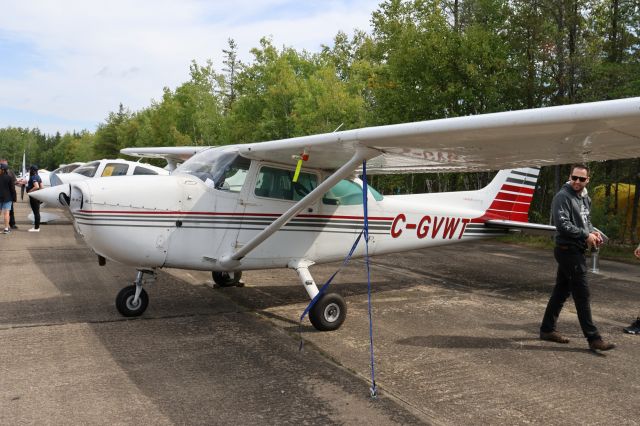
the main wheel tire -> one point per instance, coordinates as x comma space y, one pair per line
226, 279
124, 302
328, 313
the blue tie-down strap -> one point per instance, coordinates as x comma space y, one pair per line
373, 390
365, 195
323, 289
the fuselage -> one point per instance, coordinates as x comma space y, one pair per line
186, 221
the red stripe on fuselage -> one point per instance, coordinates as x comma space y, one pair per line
186, 213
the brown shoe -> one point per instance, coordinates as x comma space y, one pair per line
601, 345
553, 336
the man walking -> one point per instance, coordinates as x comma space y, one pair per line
570, 209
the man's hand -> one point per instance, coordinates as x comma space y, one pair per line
637, 252
594, 240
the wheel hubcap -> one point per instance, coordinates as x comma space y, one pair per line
131, 305
332, 312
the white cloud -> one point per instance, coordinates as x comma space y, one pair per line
71, 62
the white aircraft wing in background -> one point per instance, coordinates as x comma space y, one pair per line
174, 155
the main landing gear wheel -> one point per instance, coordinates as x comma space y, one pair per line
328, 313
227, 279
125, 302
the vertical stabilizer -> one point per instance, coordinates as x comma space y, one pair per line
510, 193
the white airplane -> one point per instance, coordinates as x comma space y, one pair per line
105, 168
93, 169
80, 171
240, 207
68, 168
45, 176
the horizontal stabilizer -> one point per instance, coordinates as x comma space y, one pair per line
525, 227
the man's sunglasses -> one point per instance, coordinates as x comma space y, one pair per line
580, 178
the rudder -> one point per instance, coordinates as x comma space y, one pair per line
510, 193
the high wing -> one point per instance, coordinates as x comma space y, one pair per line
594, 131
535, 137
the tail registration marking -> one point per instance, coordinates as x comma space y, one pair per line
431, 226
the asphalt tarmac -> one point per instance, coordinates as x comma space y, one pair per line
454, 335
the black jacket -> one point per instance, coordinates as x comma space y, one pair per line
7, 188
571, 215
13, 177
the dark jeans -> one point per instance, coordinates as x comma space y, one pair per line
571, 279
12, 217
35, 207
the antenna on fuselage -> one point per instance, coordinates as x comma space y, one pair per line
338, 128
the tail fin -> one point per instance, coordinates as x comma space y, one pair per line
509, 195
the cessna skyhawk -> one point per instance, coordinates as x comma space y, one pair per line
240, 207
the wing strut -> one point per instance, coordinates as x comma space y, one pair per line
230, 262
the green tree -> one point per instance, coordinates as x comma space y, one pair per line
109, 137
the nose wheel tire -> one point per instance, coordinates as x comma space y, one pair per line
125, 305
227, 279
328, 313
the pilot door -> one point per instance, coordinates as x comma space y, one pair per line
270, 194
213, 209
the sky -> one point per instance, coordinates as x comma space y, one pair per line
65, 64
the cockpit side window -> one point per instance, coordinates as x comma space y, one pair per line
115, 169
234, 175
219, 168
278, 184
139, 170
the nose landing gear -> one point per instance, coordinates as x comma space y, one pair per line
133, 300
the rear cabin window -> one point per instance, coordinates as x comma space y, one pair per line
347, 193
139, 170
278, 184
115, 169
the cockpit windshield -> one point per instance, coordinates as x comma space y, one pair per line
219, 168
89, 169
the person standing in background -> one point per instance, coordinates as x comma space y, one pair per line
34, 184
7, 196
12, 217
634, 328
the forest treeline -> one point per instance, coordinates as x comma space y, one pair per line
419, 60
